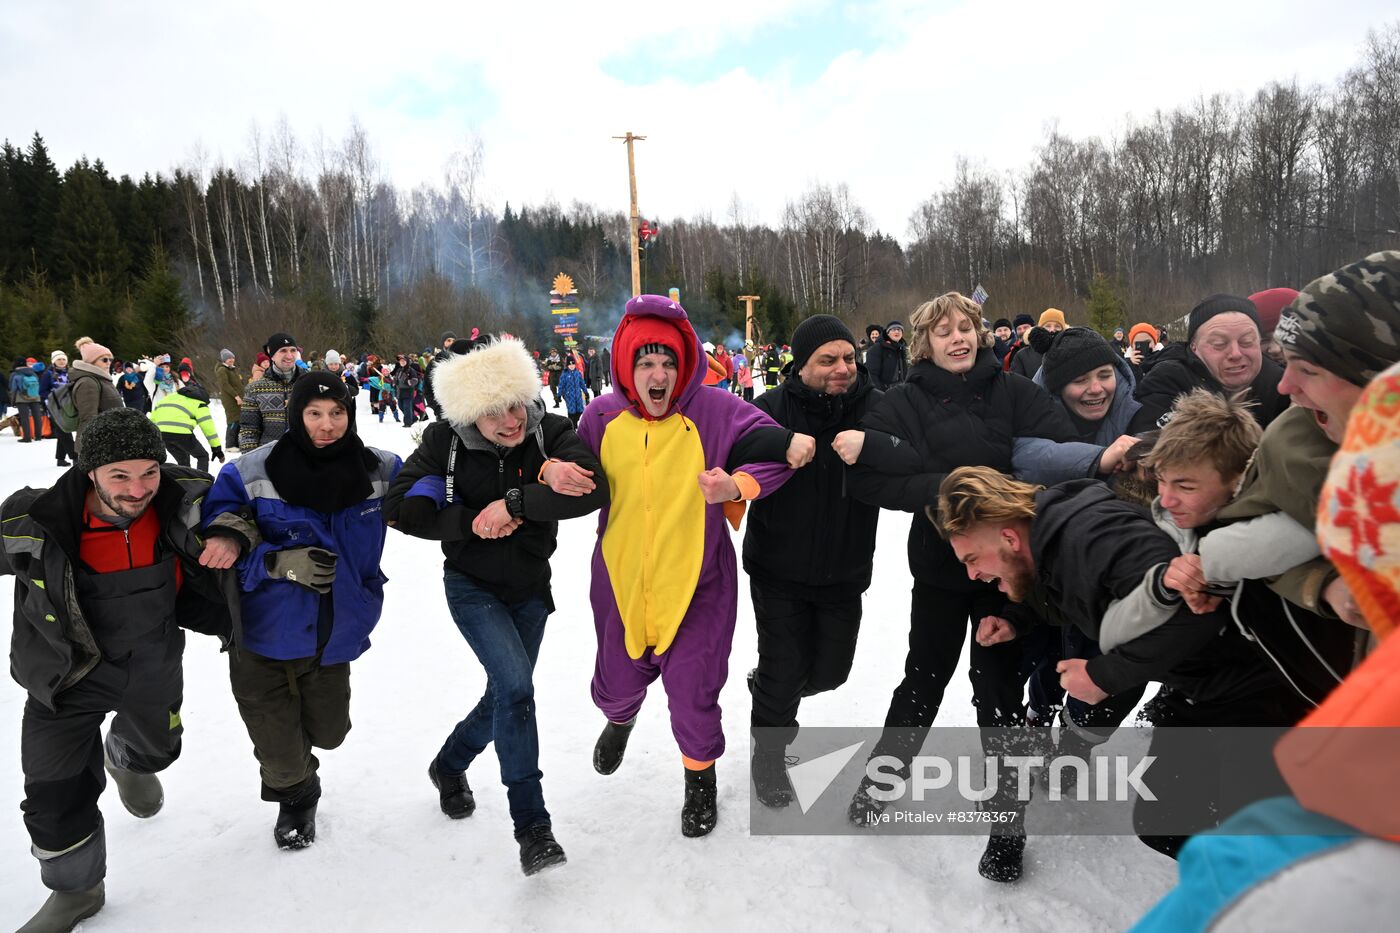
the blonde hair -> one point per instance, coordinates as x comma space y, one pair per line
930, 314
1210, 428
978, 495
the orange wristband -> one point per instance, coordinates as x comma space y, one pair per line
539, 477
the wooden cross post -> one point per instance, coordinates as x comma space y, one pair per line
748, 301
636, 242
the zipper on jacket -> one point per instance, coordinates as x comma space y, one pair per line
130, 561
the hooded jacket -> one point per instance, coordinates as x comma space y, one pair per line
1176, 371
1045, 462
52, 646
185, 410
1091, 548
933, 423
279, 615
20, 383
813, 532
664, 558
421, 503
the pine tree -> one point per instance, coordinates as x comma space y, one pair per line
363, 314
37, 190
87, 246
1106, 310
159, 311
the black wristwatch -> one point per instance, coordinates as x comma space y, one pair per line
515, 503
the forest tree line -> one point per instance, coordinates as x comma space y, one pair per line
1223, 194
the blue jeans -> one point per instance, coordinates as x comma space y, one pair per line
506, 639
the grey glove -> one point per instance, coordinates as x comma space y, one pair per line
311, 567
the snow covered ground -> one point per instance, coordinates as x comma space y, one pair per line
386, 858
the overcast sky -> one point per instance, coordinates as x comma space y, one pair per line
758, 97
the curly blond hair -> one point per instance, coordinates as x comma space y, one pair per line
930, 314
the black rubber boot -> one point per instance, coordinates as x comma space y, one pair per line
611, 746
65, 910
538, 849
700, 812
770, 778
1001, 860
141, 794
296, 819
454, 793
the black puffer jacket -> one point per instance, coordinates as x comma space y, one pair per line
1091, 548
937, 421
514, 568
1175, 370
812, 532
887, 362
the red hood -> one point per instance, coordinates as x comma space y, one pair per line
655, 319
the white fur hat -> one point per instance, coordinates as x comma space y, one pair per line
486, 381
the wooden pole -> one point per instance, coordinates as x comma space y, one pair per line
748, 301
636, 241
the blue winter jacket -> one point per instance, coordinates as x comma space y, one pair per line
571, 387
1037, 460
280, 616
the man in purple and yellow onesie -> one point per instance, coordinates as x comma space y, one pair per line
680, 458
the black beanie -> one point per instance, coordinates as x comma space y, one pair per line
446, 336
1069, 354
815, 331
314, 385
893, 324
118, 434
277, 342
1024, 319
1218, 304
1002, 322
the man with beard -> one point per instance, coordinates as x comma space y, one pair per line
809, 549
1031, 542
263, 417
107, 569
302, 518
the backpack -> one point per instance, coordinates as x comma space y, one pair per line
63, 410
30, 385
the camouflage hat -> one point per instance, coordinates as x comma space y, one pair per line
1348, 321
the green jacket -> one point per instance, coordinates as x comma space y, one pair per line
229, 383
181, 412
1286, 475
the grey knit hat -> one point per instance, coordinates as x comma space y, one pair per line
1348, 321
118, 434
225, 355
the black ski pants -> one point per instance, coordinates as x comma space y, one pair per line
183, 447
940, 621
806, 643
61, 749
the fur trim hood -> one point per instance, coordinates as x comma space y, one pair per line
487, 380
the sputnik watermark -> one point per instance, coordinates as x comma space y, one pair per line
1103, 779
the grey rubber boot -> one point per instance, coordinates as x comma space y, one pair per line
141, 794
75, 877
65, 910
